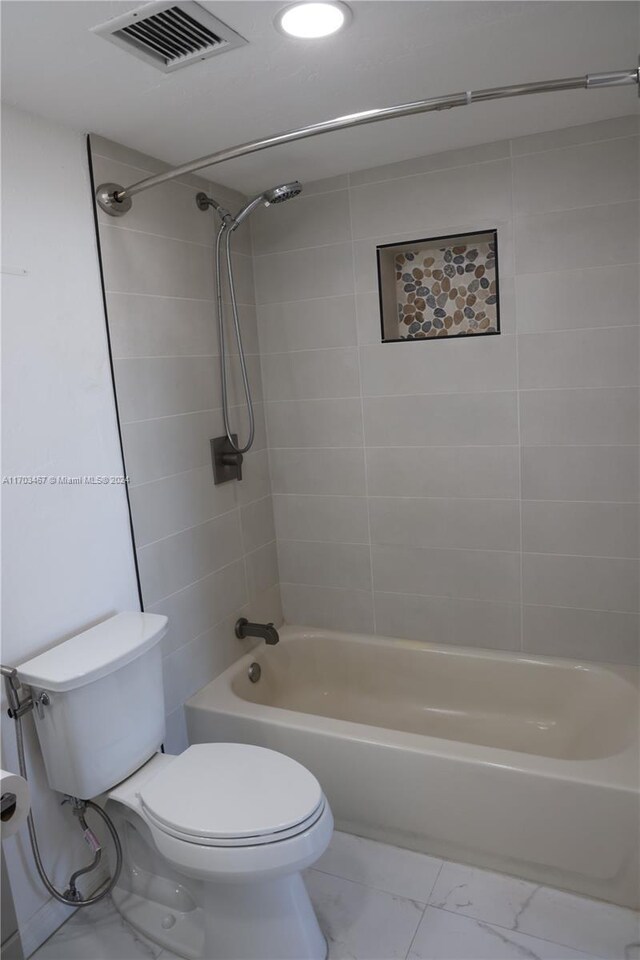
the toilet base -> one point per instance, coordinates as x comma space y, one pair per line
263, 921
268, 920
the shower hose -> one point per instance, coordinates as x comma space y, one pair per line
71, 896
224, 234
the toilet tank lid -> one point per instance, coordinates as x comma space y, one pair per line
94, 653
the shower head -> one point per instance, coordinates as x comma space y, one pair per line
285, 191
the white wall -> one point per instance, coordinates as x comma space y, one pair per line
67, 552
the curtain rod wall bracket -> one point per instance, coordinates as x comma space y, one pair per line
116, 200
108, 199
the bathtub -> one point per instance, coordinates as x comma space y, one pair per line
526, 765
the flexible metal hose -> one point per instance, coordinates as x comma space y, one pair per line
225, 232
62, 897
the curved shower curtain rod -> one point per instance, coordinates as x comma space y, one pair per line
116, 199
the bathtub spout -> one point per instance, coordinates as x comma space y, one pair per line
265, 631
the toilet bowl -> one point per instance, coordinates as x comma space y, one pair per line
214, 842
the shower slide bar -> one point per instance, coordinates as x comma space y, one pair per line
116, 199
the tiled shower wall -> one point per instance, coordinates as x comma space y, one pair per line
206, 554
479, 491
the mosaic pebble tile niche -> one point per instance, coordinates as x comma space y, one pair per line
439, 287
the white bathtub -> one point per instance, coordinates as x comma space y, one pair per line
527, 765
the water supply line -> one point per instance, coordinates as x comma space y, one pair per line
71, 897
116, 200
224, 235
232, 455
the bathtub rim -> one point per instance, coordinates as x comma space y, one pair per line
619, 771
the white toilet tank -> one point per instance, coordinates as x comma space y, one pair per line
105, 712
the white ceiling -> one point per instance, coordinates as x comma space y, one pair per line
53, 66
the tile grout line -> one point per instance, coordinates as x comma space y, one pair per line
194, 526
440, 549
474, 163
267, 429
373, 290
359, 357
518, 415
426, 907
369, 238
532, 936
461, 599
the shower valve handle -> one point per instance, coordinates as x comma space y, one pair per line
232, 459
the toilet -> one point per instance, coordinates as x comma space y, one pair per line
214, 840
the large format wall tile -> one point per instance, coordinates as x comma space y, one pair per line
170, 564
439, 161
206, 553
136, 262
169, 210
343, 519
607, 416
580, 529
311, 374
309, 221
472, 471
195, 608
445, 620
588, 583
166, 506
586, 237
262, 570
585, 634
580, 473
315, 423
472, 524
257, 524
323, 564
304, 274
435, 199
613, 129
153, 387
472, 574
161, 447
573, 176
337, 471
468, 366
307, 324
600, 296
143, 325
445, 420
330, 607
579, 358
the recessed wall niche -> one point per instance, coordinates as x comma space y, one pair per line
439, 287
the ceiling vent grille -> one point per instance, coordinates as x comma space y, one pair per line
169, 34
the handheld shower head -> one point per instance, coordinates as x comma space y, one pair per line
285, 191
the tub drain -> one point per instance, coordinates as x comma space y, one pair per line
254, 672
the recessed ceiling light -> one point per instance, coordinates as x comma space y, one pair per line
313, 20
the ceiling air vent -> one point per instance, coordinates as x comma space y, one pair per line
170, 35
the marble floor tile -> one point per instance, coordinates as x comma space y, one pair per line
97, 933
450, 936
370, 899
597, 928
379, 865
361, 923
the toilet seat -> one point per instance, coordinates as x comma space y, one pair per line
232, 795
